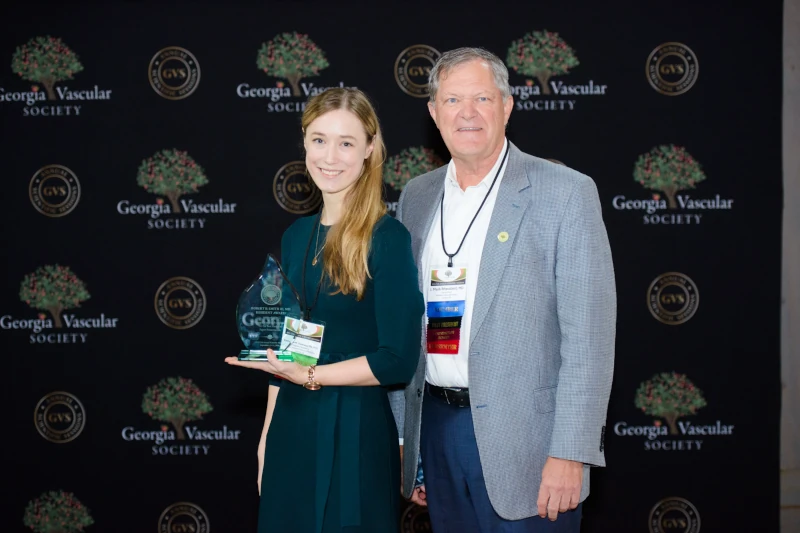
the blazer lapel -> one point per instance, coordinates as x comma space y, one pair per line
419, 213
509, 209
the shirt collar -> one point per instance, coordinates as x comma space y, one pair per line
487, 180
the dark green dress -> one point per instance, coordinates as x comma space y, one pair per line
332, 461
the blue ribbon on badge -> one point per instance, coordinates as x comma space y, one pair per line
446, 309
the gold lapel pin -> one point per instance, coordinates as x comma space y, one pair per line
502, 236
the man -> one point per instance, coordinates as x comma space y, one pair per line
508, 403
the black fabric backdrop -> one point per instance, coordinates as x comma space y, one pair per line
720, 477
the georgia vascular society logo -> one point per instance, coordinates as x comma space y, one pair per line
47, 62
53, 290
292, 58
171, 175
670, 171
408, 164
669, 398
544, 56
176, 401
56, 510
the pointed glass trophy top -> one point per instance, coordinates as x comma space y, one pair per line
261, 311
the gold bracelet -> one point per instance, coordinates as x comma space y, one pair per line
311, 384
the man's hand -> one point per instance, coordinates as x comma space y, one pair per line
419, 496
560, 490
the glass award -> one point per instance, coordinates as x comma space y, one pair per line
262, 308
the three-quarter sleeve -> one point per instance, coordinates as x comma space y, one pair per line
399, 305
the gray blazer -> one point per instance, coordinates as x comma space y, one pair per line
541, 352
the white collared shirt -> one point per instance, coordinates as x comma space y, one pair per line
459, 208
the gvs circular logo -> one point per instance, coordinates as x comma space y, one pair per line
672, 68
294, 190
412, 68
174, 73
180, 302
673, 298
674, 515
54, 190
183, 517
59, 417
271, 294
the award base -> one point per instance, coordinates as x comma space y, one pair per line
261, 355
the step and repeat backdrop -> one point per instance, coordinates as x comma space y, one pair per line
151, 158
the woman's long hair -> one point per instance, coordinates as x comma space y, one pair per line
348, 243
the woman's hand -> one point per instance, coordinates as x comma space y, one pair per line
287, 370
260, 466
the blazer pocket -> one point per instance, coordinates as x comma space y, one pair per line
545, 399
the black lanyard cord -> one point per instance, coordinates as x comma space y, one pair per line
303, 304
441, 215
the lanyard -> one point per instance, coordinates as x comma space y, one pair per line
304, 302
441, 216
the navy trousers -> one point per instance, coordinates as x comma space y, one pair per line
456, 491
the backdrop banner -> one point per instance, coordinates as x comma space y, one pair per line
152, 158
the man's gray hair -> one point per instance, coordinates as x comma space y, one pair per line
453, 58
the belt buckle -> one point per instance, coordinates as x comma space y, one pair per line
447, 398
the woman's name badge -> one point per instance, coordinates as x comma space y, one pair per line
302, 340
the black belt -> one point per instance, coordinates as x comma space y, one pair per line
450, 395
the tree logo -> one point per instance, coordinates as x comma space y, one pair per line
183, 516
544, 55
59, 417
57, 512
409, 163
53, 288
412, 69
180, 302
292, 57
674, 515
670, 396
294, 190
171, 173
174, 73
541, 54
54, 190
673, 298
672, 68
46, 60
177, 401
48, 63
667, 170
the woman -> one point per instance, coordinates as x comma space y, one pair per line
330, 456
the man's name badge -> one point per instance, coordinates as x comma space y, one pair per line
447, 301
303, 340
